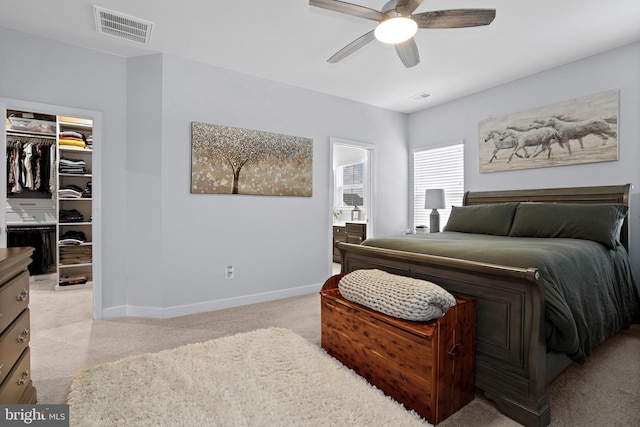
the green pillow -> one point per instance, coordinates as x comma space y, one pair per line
597, 222
482, 219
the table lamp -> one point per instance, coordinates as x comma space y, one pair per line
434, 200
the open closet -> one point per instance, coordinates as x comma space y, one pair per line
49, 193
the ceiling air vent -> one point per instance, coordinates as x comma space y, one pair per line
420, 96
123, 26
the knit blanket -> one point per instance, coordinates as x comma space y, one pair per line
398, 296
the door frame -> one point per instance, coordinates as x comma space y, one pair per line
96, 203
3, 172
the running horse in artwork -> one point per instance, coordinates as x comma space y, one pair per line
579, 129
509, 141
540, 137
500, 144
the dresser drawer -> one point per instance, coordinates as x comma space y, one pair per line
18, 381
14, 297
356, 232
356, 228
13, 341
352, 238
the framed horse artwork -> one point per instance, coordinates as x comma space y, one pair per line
576, 131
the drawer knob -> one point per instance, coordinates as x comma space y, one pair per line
23, 336
25, 376
22, 295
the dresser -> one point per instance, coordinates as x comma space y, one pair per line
356, 232
351, 232
15, 358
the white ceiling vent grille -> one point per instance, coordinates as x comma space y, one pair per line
123, 26
420, 96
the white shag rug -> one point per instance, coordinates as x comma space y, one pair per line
268, 377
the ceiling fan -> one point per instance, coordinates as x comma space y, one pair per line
396, 17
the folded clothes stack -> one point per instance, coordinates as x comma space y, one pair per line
87, 192
72, 166
72, 139
70, 215
75, 255
72, 237
70, 192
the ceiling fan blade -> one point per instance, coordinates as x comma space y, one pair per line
348, 8
406, 7
390, 5
408, 53
455, 18
352, 47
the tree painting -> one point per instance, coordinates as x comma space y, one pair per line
228, 160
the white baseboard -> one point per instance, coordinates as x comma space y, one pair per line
184, 310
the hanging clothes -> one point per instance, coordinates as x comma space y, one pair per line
30, 164
41, 239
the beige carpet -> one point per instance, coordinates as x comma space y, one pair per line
605, 391
268, 377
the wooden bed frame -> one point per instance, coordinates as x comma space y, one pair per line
512, 362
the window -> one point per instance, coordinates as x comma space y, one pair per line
350, 185
441, 167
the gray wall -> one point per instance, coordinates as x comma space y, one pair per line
164, 249
275, 244
40, 70
615, 69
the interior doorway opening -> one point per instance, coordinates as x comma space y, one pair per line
352, 203
76, 191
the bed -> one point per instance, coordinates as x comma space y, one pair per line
535, 313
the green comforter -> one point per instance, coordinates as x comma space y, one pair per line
590, 292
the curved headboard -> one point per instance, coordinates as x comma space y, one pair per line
601, 194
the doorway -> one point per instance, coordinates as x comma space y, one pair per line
352, 192
49, 214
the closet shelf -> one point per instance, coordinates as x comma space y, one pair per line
84, 264
71, 287
75, 199
74, 245
30, 224
75, 125
73, 224
79, 175
31, 134
75, 121
75, 149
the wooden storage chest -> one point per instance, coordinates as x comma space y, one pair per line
427, 366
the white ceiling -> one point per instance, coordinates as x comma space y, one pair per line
289, 41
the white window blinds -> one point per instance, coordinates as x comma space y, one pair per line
441, 167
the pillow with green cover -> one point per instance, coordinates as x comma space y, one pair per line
597, 222
482, 219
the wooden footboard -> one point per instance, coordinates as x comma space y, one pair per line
510, 348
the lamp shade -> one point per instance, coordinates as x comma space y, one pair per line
434, 199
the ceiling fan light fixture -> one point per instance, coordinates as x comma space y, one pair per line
396, 30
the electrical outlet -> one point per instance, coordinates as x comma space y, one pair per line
228, 272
